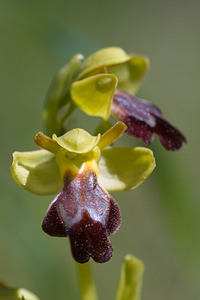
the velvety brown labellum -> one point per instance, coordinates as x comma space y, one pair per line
144, 119
87, 214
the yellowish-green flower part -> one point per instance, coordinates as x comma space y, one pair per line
94, 94
130, 283
130, 69
90, 83
119, 169
104, 71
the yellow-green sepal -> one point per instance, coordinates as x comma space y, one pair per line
99, 61
94, 94
37, 172
130, 69
131, 73
77, 140
122, 169
131, 279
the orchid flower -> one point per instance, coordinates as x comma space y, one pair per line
82, 170
90, 84
103, 84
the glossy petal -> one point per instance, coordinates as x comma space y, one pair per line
122, 169
36, 171
131, 73
99, 61
87, 214
94, 95
77, 140
144, 119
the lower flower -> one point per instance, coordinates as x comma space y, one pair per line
83, 170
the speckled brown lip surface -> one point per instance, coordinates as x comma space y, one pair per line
87, 214
144, 120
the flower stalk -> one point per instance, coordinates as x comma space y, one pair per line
87, 286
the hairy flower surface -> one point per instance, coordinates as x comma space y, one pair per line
82, 170
144, 120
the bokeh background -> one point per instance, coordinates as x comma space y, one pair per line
161, 220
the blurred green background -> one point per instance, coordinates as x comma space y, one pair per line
161, 220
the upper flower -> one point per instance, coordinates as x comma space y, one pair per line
93, 84
82, 170
90, 84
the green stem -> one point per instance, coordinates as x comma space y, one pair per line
87, 285
59, 95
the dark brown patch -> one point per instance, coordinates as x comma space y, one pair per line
90, 239
52, 223
144, 120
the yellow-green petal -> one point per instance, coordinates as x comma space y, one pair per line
131, 73
77, 140
37, 172
123, 169
98, 61
94, 95
111, 135
45, 142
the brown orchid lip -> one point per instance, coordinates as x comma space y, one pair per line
144, 120
85, 213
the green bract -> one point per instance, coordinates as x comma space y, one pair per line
42, 172
131, 279
7, 293
90, 84
58, 102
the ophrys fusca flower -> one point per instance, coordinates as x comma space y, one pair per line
82, 169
